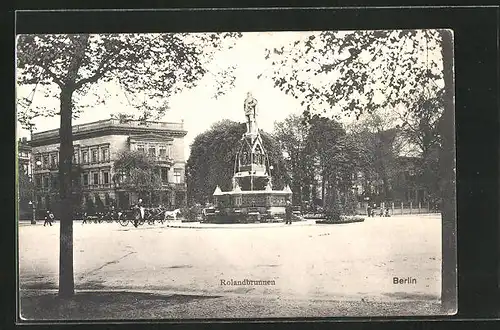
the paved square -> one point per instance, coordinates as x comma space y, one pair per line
307, 262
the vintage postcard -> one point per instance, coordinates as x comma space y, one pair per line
178, 176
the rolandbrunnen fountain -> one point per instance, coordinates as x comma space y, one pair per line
252, 198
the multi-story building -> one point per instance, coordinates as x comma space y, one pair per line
25, 196
24, 155
96, 146
406, 184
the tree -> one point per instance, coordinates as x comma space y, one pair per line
337, 159
291, 134
363, 71
212, 160
420, 127
137, 171
154, 65
380, 144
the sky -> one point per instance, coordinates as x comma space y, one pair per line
196, 107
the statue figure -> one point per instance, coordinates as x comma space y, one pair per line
250, 107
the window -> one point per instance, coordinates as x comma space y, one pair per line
54, 182
85, 156
53, 160
105, 176
152, 152
74, 158
45, 161
122, 176
38, 181
94, 156
95, 178
140, 148
105, 155
163, 153
164, 174
177, 175
85, 179
45, 181
38, 161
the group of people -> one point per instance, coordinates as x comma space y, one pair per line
384, 212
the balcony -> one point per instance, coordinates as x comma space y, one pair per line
164, 160
175, 186
98, 186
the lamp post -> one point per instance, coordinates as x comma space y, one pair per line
33, 197
33, 219
32, 177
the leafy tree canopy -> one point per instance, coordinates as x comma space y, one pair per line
148, 67
138, 171
358, 71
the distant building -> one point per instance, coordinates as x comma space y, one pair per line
96, 146
406, 185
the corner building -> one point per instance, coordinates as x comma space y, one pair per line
96, 146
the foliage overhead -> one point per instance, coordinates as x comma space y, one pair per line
148, 67
358, 71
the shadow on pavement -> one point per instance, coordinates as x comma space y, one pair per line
100, 305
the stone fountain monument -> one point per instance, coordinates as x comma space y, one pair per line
252, 197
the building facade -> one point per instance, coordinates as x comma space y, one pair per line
24, 156
96, 146
25, 193
406, 184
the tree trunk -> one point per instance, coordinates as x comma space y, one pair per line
66, 280
323, 188
447, 171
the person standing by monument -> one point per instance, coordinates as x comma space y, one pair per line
250, 107
288, 213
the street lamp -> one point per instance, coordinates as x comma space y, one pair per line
33, 198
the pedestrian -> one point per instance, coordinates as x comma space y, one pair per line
369, 210
140, 207
49, 217
288, 213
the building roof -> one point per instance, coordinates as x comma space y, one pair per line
111, 127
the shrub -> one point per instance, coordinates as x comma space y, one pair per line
342, 219
191, 213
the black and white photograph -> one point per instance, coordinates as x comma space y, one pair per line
231, 175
